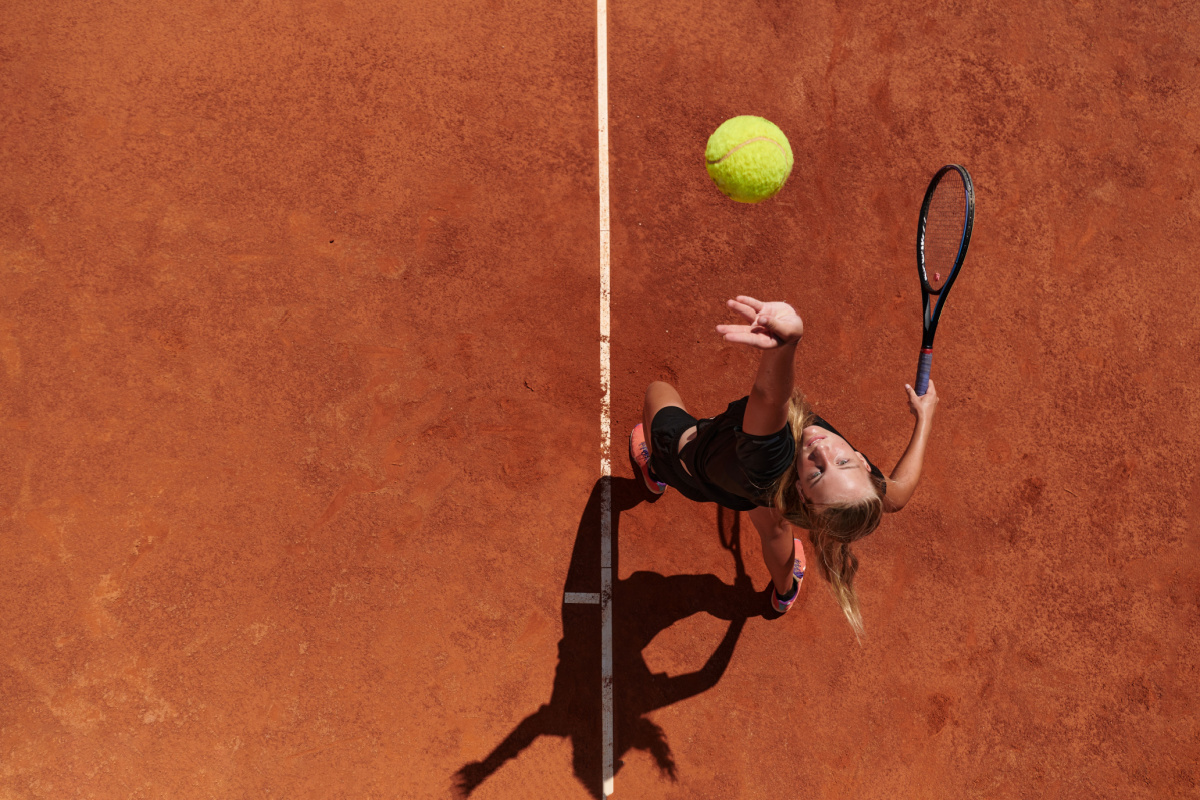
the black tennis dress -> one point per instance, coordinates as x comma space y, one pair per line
728, 466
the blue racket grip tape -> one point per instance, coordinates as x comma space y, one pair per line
923, 367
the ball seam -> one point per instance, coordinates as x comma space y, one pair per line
749, 141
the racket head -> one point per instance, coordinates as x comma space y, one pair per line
944, 228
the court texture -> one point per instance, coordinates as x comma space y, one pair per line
303, 419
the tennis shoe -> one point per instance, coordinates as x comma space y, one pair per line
779, 604
640, 454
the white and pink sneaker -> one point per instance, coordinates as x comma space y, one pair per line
782, 604
640, 454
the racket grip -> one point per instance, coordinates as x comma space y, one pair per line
924, 364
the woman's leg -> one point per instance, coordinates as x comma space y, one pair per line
659, 395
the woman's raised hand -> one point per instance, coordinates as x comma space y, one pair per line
771, 325
922, 406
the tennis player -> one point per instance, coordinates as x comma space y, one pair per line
770, 455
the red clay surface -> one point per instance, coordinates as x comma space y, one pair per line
300, 399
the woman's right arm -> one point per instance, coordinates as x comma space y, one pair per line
906, 475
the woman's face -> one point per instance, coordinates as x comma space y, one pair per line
829, 470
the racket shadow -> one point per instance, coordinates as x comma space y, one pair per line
644, 604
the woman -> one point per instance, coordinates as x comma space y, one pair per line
770, 455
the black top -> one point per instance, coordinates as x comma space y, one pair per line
736, 469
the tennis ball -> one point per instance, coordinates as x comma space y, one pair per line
749, 158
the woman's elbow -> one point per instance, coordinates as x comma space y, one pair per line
897, 497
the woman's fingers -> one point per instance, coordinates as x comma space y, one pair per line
921, 405
755, 328
741, 334
929, 396
743, 330
757, 305
771, 321
746, 311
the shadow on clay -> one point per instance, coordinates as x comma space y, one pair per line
644, 604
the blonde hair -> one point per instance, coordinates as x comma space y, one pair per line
832, 528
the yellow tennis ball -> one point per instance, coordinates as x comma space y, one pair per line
749, 158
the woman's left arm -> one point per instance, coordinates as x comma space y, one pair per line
904, 478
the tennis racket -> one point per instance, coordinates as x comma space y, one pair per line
943, 233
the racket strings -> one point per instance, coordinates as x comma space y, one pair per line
944, 229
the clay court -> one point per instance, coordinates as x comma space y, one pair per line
301, 400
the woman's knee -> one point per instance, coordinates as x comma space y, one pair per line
661, 393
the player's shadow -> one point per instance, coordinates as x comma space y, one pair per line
643, 605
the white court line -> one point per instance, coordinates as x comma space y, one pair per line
587, 598
606, 661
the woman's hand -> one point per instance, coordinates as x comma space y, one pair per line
771, 325
903, 480
922, 406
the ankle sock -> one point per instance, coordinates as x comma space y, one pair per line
783, 598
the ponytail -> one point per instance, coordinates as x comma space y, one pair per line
839, 565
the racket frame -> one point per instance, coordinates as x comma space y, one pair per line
933, 312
